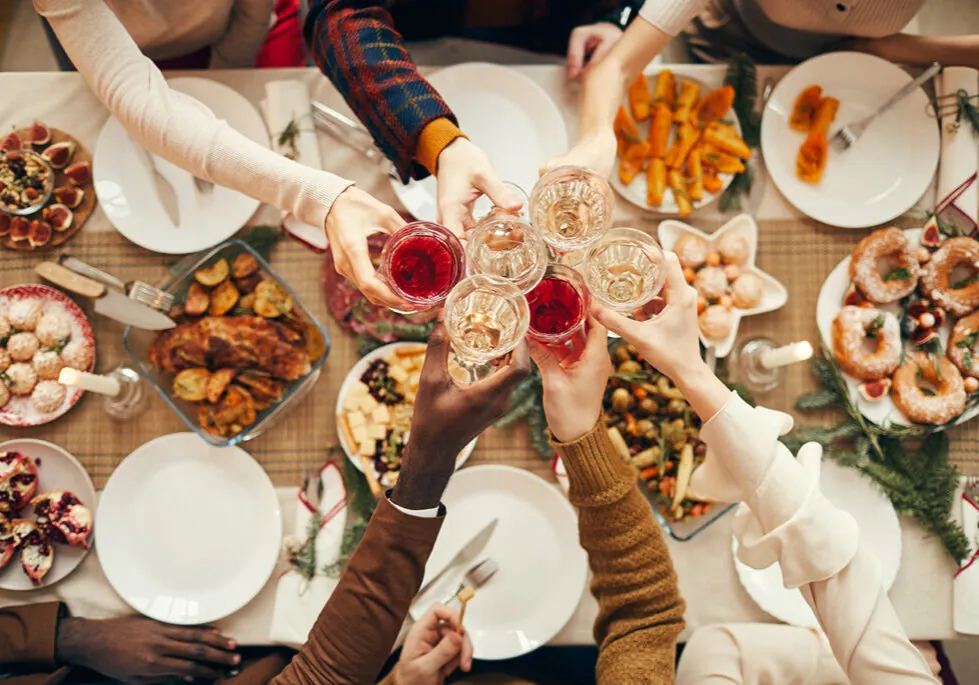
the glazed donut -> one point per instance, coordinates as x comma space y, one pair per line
938, 372
851, 329
937, 274
959, 348
887, 243
691, 250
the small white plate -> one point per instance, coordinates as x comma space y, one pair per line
882, 412
503, 112
543, 569
354, 375
127, 189
774, 295
57, 470
885, 172
880, 532
188, 533
635, 192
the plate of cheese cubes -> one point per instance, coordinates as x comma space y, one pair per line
374, 408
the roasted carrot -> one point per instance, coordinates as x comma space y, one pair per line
665, 90
720, 160
685, 101
659, 130
651, 472
713, 106
805, 106
687, 137
695, 175
726, 139
639, 98
825, 113
631, 162
811, 160
675, 180
712, 182
655, 182
625, 130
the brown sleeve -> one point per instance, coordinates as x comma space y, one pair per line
640, 611
27, 636
357, 628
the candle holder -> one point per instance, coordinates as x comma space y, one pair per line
760, 361
132, 397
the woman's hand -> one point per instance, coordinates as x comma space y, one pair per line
464, 174
588, 44
356, 215
435, 647
573, 396
596, 152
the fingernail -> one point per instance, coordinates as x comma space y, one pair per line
237, 659
232, 644
188, 678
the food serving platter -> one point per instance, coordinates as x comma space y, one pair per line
885, 172
57, 470
882, 412
880, 532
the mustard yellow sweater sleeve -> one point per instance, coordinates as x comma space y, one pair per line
640, 611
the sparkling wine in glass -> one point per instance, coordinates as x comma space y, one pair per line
508, 247
625, 269
558, 311
485, 318
421, 263
484, 205
571, 207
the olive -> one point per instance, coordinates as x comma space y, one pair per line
644, 426
630, 366
652, 435
632, 349
649, 405
621, 354
700, 449
676, 407
621, 400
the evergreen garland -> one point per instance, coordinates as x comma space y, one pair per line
360, 507
743, 77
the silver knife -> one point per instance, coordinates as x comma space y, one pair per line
108, 302
465, 555
164, 191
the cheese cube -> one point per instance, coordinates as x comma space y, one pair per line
359, 434
376, 431
398, 373
359, 389
381, 415
367, 404
351, 403
367, 448
356, 418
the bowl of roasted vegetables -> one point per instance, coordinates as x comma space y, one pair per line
244, 350
654, 428
679, 143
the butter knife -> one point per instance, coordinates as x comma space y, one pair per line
466, 555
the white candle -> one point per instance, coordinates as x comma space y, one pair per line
788, 354
104, 385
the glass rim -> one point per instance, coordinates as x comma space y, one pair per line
648, 243
545, 180
577, 281
543, 256
425, 228
487, 282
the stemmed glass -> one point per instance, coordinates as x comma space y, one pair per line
508, 247
484, 206
558, 310
421, 263
571, 207
485, 318
625, 270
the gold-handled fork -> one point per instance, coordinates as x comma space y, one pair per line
475, 578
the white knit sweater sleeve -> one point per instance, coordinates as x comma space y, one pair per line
175, 126
788, 520
249, 25
671, 16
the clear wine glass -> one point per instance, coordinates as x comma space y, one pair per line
421, 263
571, 207
558, 311
484, 206
508, 247
625, 269
485, 318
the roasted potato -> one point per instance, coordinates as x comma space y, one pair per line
198, 300
223, 299
261, 385
218, 382
247, 302
213, 275
234, 407
272, 300
248, 284
244, 266
191, 384
205, 417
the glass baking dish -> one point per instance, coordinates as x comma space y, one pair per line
688, 530
138, 342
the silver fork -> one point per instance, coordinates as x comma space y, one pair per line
141, 292
850, 133
476, 577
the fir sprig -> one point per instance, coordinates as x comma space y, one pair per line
743, 77
360, 507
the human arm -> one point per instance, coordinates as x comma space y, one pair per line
904, 48
246, 33
435, 647
640, 611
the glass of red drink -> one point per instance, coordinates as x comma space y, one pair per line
421, 263
559, 307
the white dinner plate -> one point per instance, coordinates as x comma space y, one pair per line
885, 172
188, 533
354, 375
880, 532
542, 568
127, 189
504, 113
883, 412
56, 470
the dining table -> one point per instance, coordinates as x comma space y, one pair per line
796, 250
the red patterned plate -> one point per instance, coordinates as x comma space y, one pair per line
19, 411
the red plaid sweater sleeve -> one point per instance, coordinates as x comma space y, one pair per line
356, 46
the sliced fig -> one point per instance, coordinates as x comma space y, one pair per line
18, 485
11, 141
917, 308
7, 543
939, 315
931, 235
63, 518
59, 154
79, 173
40, 233
5, 220
59, 216
853, 297
36, 554
923, 336
874, 391
40, 134
70, 196
908, 326
20, 228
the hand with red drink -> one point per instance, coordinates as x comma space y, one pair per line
464, 174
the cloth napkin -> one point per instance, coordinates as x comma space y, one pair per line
965, 607
288, 101
958, 191
298, 601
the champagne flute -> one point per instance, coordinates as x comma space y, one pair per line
571, 207
558, 310
485, 318
625, 269
421, 263
508, 247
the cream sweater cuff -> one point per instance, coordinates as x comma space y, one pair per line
671, 16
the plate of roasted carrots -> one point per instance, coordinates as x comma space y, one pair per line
679, 143
876, 179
